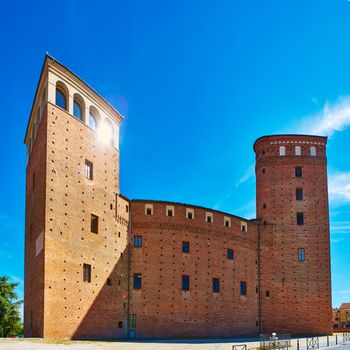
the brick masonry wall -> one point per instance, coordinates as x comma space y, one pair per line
58, 304
162, 309
73, 308
300, 292
34, 227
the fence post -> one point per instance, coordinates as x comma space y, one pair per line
336, 339
298, 344
327, 340
343, 338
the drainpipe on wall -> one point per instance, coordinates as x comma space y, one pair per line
259, 282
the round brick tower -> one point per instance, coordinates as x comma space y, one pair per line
292, 205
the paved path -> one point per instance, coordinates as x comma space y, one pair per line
207, 344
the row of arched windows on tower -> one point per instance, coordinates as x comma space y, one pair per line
93, 120
297, 151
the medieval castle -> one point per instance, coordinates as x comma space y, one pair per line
100, 265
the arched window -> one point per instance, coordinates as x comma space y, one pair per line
297, 150
312, 151
92, 121
105, 132
282, 151
109, 131
93, 118
61, 100
78, 110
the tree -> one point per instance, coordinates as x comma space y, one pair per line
10, 320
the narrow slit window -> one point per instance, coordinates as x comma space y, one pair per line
230, 254
89, 170
185, 283
216, 285
299, 194
301, 254
94, 223
137, 281
300, 218
298, 171
243, 288
87, 273
282, 150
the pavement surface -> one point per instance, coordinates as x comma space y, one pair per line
207, 344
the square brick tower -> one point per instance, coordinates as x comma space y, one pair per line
75, 269
292, 204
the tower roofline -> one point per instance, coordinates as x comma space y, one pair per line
288, 136
49, 58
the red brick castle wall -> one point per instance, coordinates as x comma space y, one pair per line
295, 295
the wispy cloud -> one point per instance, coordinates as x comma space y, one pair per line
345, 291
250, 172
247, 210
340, 227
337, 240
339, 187
333, 117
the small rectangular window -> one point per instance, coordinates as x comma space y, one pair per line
169, 210
227, 221
185, 247
244, 226
94, 223
86, 273
127, 208
109, 282
208, 217
189, 213
149, 209
120, 324
299, 194
216, 285
137, 281
185, 283
300, 218
89, 169
138, 241
243, 288
298, 171
301, 254
267, 294
282, 150
229, 254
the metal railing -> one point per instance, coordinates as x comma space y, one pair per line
239, 347
312, 343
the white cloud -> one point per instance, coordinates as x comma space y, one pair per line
339, 187
333, 117
340, 227
337, 240
250, 172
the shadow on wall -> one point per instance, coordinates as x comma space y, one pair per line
107, 316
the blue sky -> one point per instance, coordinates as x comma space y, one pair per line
198, 82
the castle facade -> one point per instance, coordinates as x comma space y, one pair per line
100, 265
